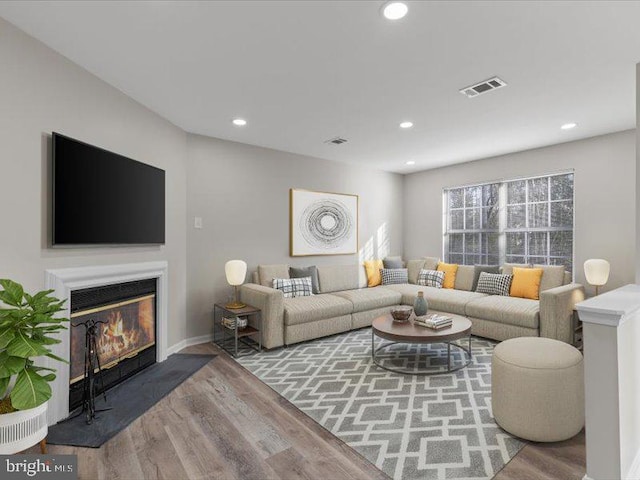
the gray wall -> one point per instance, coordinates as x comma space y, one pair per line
242, 194
605, 203
41, 92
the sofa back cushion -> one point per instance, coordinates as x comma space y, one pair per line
464, 278
430, 263
552, 276
266, 273
507, 268
413, 268
567, 278
334, 278
362, 277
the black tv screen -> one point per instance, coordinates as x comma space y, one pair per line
101, 198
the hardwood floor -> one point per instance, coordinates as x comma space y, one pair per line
548, 461
223, 423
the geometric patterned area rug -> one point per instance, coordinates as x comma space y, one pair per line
409, 426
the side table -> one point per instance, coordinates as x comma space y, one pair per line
223, 335
576, 329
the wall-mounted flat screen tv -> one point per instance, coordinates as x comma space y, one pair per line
102, 198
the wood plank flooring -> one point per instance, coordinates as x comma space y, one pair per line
223, 423
548, 461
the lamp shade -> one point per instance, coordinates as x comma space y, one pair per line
236, 271
597, 271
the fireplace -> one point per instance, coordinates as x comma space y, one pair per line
126, 333
65, 281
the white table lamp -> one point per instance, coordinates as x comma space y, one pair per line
597, 272
236, 271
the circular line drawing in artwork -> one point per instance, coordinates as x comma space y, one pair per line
326, 224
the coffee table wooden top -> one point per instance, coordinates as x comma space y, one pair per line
385, 327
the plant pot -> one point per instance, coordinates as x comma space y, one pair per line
22, 429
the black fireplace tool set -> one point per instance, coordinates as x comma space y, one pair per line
92, 371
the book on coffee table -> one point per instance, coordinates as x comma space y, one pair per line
435, 322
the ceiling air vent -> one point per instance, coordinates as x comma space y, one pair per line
336, 141
483, 87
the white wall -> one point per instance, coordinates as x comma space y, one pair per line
605, 202
242, 194
637, 173
41, 92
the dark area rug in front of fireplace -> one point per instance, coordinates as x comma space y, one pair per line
128, 401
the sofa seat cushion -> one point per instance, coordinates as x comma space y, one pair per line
300, 310
370, 298
440, 299
521, 312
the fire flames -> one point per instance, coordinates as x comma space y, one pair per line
114, 340
126, 330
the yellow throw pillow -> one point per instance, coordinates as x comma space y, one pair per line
373, 267
450, 270
526, 283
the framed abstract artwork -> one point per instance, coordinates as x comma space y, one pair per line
322, 223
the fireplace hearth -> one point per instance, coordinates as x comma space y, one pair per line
125, 314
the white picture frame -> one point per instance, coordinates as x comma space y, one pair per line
322, 223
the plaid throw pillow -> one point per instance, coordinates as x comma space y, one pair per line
294, 287
431, 278
392, 276
494, 284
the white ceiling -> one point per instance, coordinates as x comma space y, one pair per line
302, 72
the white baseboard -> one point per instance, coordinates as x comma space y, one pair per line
587, 478
189, 342
634, 470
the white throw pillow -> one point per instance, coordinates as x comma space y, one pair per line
294, 287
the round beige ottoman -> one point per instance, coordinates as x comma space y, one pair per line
537, 388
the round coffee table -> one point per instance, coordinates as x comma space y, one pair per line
398, 332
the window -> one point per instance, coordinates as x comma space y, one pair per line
473, 224
519, 221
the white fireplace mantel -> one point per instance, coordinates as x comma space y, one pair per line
64, 281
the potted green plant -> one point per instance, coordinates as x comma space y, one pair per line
27, 323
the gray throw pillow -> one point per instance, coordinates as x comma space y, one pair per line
480, 269
393, 262
302, 272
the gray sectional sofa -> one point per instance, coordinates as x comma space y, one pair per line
345, 303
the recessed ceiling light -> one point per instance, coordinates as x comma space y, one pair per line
406, 125
239, 122
394, 10
569, 126
411, 162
